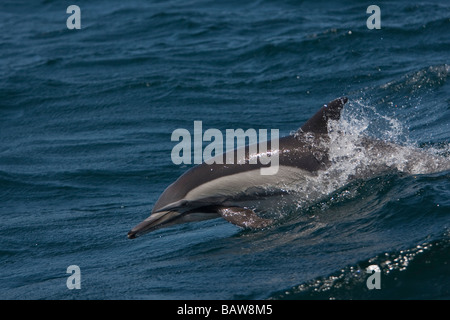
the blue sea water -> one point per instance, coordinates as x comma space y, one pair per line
86, 118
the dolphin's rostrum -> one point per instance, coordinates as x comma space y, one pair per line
213, 190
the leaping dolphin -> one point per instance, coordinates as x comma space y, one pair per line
213, 190
312, 163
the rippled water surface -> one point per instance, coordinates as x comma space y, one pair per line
86, 118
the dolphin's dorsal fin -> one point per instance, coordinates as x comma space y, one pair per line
318, 122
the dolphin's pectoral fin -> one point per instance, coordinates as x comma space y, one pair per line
243, 217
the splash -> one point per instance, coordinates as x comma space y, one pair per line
364, 144
373, 142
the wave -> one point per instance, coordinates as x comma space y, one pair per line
414, 273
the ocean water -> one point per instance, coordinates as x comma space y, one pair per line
86, 118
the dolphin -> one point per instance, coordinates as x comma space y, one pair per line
225, 190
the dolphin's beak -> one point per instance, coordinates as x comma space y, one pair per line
155, 221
